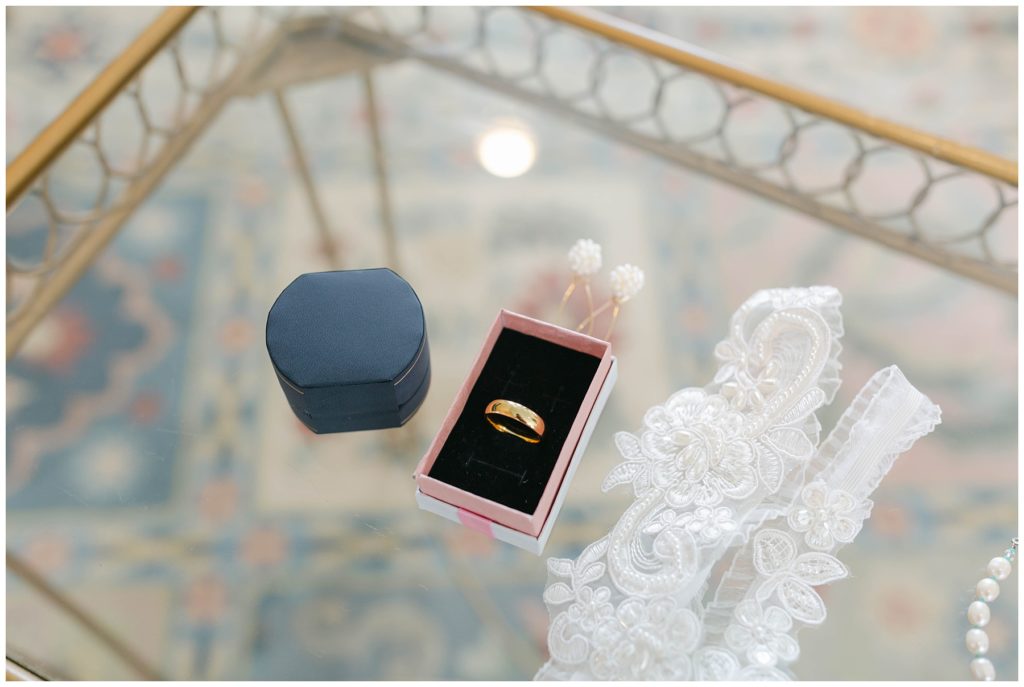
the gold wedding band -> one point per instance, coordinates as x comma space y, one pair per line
515, 419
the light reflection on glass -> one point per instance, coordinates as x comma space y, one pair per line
507, 150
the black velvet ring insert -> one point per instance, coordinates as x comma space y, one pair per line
551, 380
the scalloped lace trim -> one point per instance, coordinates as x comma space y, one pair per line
789, 556
732, 469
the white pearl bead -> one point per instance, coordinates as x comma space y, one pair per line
978, 613
999, 568
987, 589
976, 641
982, 669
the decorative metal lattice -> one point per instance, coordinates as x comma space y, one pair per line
898, 196
893, 194
80, 200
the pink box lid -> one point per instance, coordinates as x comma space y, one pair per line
529, 523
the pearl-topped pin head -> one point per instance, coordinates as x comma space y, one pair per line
584, 261
585, 257
627, 281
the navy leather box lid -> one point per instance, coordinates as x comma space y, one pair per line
350, 349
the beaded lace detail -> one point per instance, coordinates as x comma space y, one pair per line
731, 470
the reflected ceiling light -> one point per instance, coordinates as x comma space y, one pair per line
506, 151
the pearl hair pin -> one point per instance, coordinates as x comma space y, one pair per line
626, 282
979, 613
584, 261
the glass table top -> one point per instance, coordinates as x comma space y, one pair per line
157, 478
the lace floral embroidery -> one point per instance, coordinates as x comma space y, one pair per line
884, 420
647, 639
695, 451
707, 524
709, 467
826, 516
746, 379
637, 639
720, 663
794, 576
762, 634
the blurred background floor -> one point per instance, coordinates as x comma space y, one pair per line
155, 473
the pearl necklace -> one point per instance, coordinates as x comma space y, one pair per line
978, 613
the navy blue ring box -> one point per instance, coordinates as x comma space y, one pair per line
350, 349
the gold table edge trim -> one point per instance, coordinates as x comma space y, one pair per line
23, 171
667, 48
38, 154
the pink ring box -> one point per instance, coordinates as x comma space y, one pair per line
529, 524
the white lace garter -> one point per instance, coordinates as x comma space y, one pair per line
738, 511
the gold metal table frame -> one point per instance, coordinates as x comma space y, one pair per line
279, 48
263, 51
